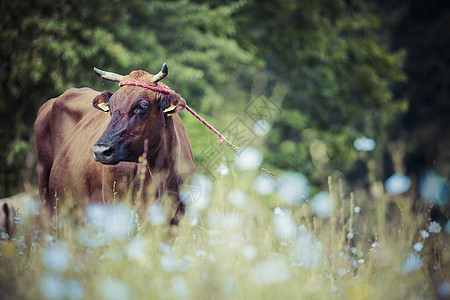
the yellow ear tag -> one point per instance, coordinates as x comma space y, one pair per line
169, 109
103, 106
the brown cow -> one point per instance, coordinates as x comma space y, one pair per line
91, 154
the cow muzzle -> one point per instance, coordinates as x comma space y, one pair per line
105, 154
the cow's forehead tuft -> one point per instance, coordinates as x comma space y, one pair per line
139, 75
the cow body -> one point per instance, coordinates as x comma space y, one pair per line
67, 128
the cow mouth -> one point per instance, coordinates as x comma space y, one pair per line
107, 162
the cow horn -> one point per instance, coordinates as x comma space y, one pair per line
162, 74
108, 75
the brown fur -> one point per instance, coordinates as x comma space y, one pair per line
67, 127
23, 206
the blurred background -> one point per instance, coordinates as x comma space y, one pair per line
349, 89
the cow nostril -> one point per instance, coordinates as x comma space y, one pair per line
108, 152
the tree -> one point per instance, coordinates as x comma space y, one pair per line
338, 71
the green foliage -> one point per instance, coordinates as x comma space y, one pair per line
338, 73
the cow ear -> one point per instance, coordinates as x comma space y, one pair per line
172, 104
101, 101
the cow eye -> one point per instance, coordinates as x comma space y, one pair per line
142, 108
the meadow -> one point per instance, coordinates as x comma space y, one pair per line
244, 236
355, 129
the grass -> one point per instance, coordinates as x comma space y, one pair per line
247, 247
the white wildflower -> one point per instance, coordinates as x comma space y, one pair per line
249, 252
136, 249
238, 198
194, 221
248, 159
114, 222
397, 184
292, 187
322, 205
434, 227
223, 170
156, 214
411, 263
196, 197
341, 272
112, 289
170, 263
364, 144
261, 127
278, 211
165, 248
180, 287
418, 247
200, 252
424, 234
52, 286
374, 246
57, 257
74, 290
285, 226
342, 255
307, 251
269, 272
434, 188
264, 184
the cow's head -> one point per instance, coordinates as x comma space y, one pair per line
137, 113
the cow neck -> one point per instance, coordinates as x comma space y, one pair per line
158, 87
159, 156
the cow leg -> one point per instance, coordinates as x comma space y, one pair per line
179, 213
46, 210
43, 182
177, 206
